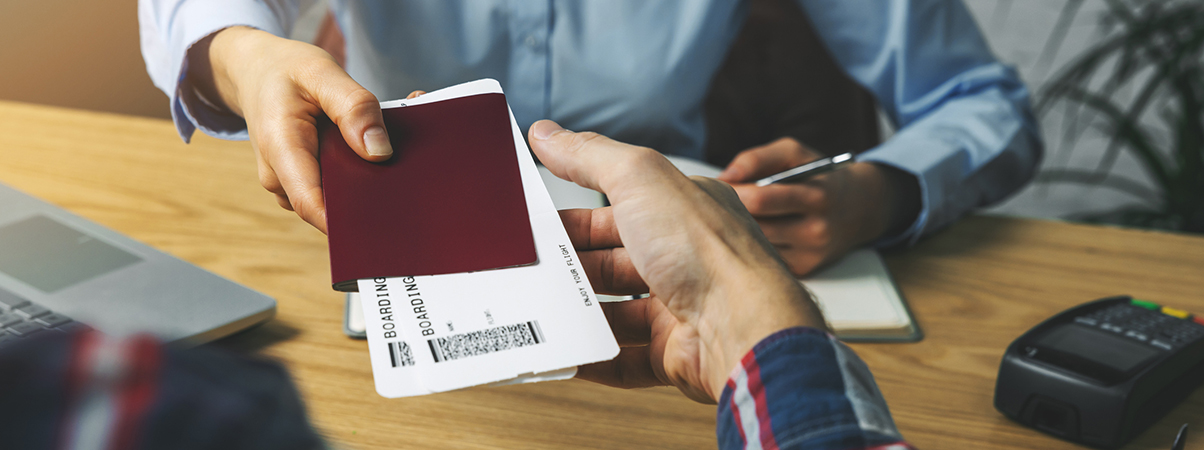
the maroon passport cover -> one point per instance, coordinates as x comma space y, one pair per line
450, 199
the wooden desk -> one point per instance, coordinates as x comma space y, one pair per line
974, 288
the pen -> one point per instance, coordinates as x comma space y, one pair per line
808, 170
1181, 439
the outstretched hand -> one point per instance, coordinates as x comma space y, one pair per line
281, 88
717, 287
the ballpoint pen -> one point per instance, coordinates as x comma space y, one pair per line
1181, 439
808, 170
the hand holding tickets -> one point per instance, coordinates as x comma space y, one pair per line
445, 331
281, 87
717, 287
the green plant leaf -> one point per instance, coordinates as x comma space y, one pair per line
1156, 45
1066, 16
1127, 130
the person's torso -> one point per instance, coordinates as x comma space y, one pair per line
635, 70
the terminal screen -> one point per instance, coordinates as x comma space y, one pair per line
1113, 352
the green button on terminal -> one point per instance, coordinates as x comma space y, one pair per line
1145, 304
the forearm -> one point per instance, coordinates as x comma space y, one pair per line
170, 28
800, 388
749, 294
214, 60
745, 313
967, 153
966, 131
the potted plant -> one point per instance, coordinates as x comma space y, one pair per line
1153, 48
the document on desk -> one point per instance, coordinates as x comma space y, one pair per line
860, 300
857, 295
524, 323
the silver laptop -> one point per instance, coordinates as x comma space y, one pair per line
59, 271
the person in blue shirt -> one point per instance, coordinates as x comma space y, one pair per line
634, 70
726, 323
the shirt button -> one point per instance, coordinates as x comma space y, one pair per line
531, 41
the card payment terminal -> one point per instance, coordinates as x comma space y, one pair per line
1101, 373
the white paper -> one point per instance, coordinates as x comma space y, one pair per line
551, 299
857, 293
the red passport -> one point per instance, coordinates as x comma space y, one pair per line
450, 199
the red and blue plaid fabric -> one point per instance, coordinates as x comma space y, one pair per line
801, 388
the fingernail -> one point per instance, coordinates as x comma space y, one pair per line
377, 142
546, 128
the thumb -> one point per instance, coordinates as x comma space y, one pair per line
356, 112
597, 162
766, 160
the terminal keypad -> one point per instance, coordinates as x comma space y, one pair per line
1161, 327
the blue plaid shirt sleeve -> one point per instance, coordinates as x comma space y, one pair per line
801, 388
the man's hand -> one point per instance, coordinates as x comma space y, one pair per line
819, 220
717, 287
281, 87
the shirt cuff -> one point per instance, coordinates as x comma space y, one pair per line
192, 22
801, 388
970, 151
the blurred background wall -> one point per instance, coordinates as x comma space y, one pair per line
76, 53
1019, 31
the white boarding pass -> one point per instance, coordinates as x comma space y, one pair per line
531, 323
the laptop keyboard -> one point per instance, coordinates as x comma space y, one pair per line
21, 318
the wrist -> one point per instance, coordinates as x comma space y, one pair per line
757, 305
225, 51
870, 180
892, 198
902, 193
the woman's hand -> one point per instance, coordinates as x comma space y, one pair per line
281, 87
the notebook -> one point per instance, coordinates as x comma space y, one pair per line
860, 300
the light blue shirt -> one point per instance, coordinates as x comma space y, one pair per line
638, 71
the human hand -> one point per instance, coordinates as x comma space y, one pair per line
819, 220
716, 286
281, 88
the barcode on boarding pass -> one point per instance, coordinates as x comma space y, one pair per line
486, 341
399, 354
